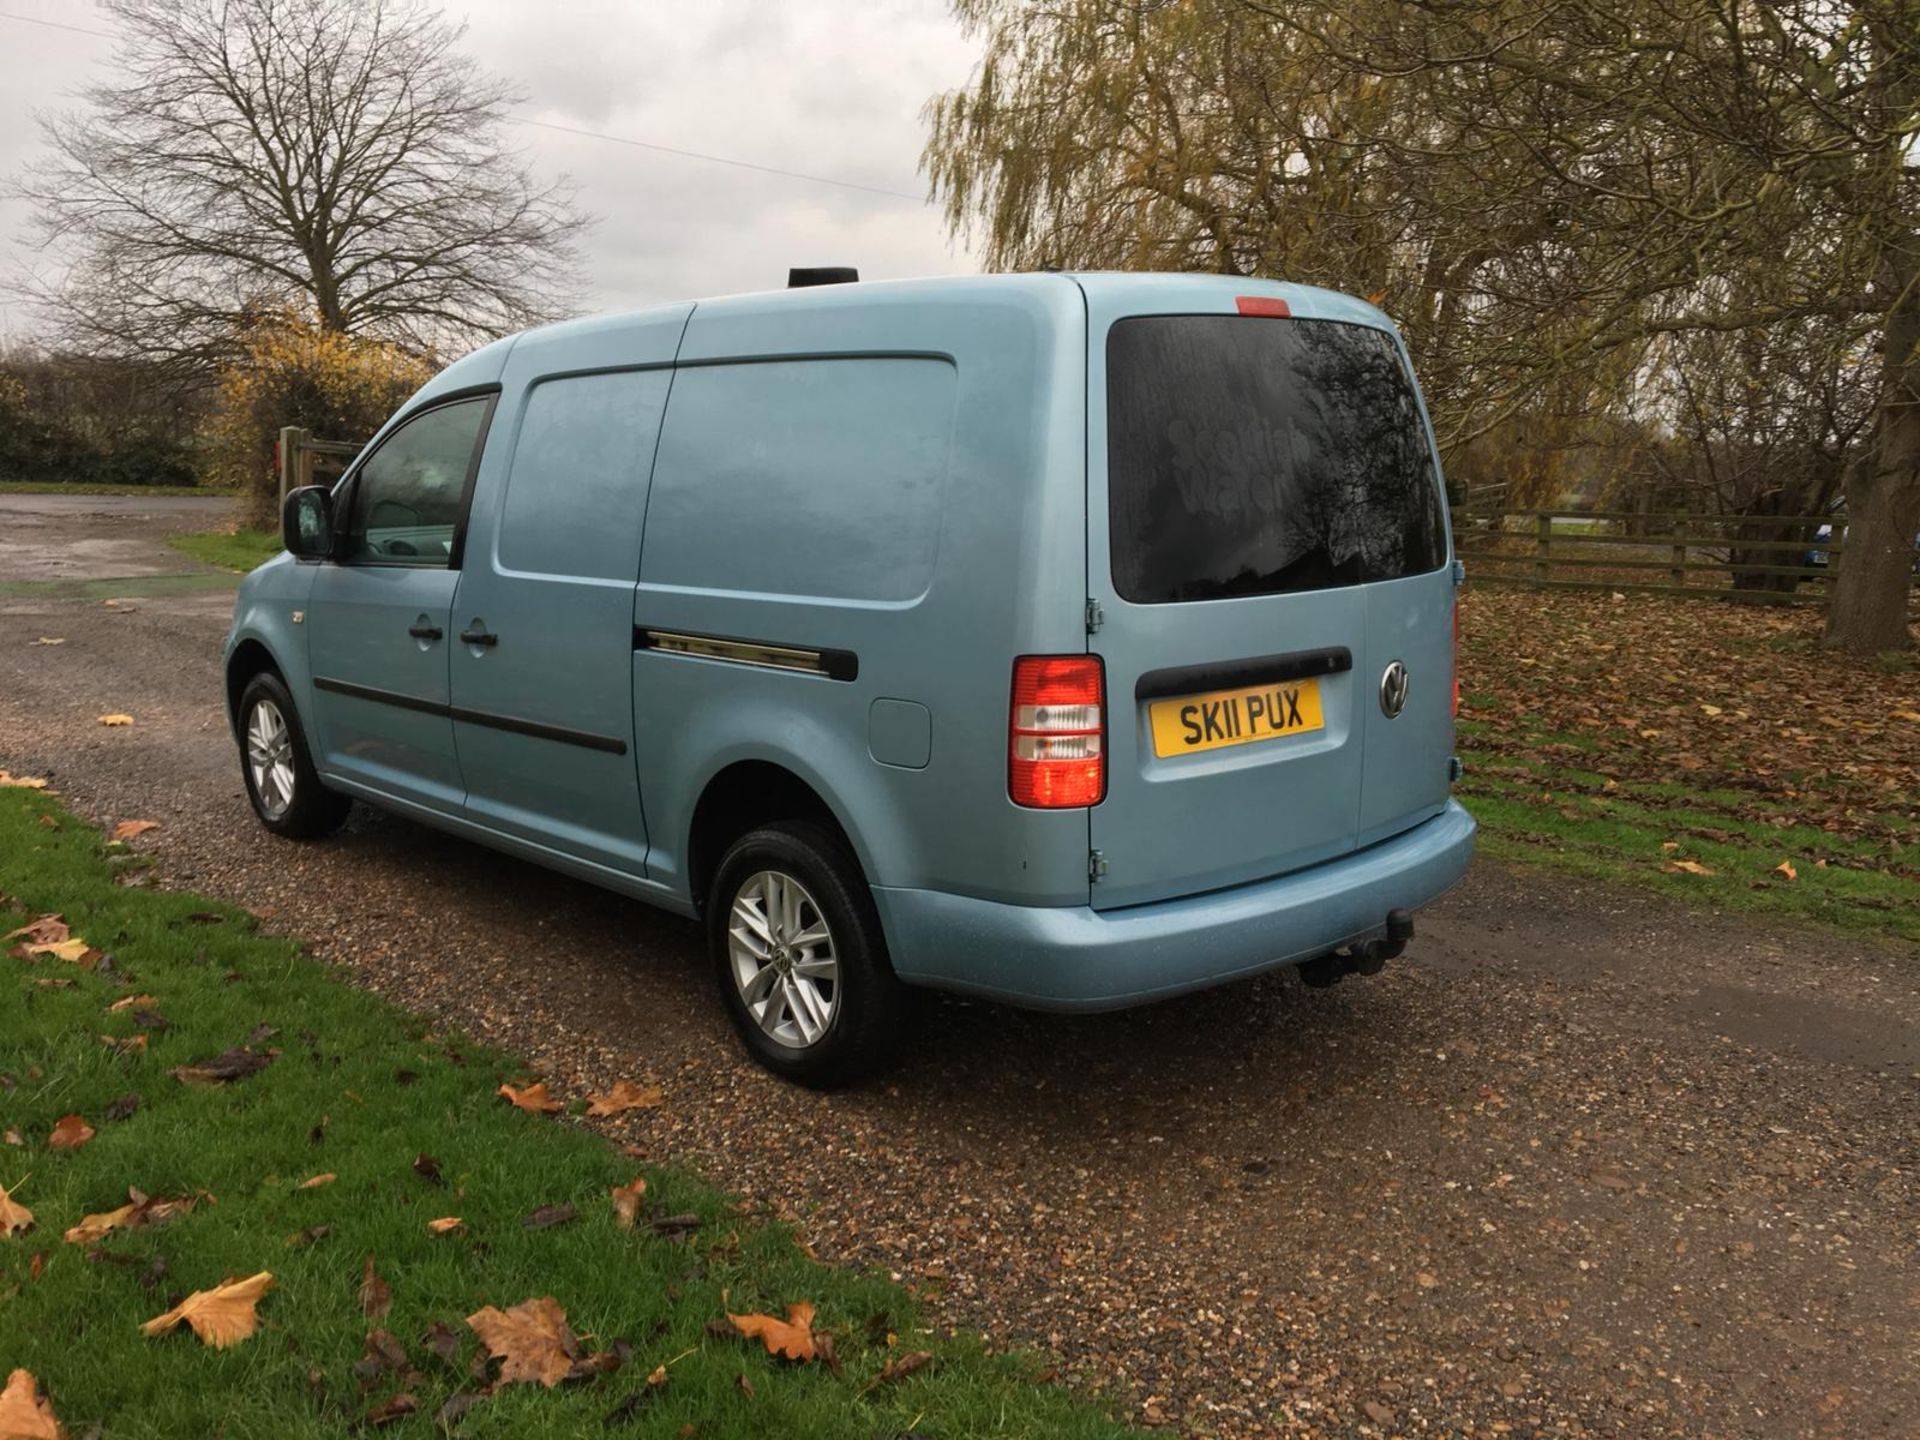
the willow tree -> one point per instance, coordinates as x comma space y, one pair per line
1549, 194
342, 158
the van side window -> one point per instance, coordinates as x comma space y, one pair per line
577, 491
821, 478
408, 493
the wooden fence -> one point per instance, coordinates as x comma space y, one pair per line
1769, 559
307, 461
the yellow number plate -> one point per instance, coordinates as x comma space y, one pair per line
1220, 718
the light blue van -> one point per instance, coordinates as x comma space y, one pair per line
1072, 640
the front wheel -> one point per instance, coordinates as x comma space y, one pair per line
281, 782
800, 958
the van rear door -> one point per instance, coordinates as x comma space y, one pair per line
1266, 536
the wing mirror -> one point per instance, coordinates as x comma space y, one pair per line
306, 522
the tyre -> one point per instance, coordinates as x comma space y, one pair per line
800, 959
281, 782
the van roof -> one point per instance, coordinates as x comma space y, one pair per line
1109, 290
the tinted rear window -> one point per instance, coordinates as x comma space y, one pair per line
1261, 456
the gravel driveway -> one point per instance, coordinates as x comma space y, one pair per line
1580, 1164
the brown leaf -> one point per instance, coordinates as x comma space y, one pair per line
70, 1133
625, 1095
46, 930
128, 829
428, 1169
390, 1410
441, 1339
116, 720
791, 1338
222, 1316
231, 1065
15, 1218
25, 1413
21, 782
316, 1181
313, 1234
383, 1353
743, 1385
75, 951
899, 1367
137, 1212
376, 1296
132, 1002
533, 1099
548, 1216
456, 1406
1690, 867
626, 1202
1786, 871
531, 1340
444, 1225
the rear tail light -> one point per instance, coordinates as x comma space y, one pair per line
1456, 657
1056, 732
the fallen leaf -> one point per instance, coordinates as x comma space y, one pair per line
49, 640
456, 1406
132, 1002
626, 1202
657, 1377
441, 1339
222, 1316
548, 1216
1710, 710
376, 1296
1690, 867
124, 1107
390, 1411
625, 1095
903, 1366
13, 1137
25, 1414
116, 720
8, 780
533, 1099
428, 1169
1426, 1279
316, 1181
792, 1337
313, 1234
139, 1210
43, 931
743, 1385
383, 1354
531, 1340
70, 1132
444, 1225
127, 829
75, 951
1786, 871
230, 1065
15, 1218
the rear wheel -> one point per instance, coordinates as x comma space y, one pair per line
799, 956
281, 782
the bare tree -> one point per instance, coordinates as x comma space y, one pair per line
340, 157
1548, 193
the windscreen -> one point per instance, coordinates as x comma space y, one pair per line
1263, 456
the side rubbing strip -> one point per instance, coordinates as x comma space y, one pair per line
560, 734
833, 664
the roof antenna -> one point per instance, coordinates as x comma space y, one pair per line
799, 277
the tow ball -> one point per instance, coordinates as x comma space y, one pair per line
1363, 957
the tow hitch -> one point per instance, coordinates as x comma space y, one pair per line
1367, 957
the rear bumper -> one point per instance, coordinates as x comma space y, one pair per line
1078, 958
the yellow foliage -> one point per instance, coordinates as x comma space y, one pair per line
292, 372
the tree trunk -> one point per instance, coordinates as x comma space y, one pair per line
1868, 613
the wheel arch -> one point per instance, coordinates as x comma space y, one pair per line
745, 794
250, 657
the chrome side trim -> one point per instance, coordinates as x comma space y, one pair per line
763, 654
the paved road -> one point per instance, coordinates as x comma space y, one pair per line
1581, 1164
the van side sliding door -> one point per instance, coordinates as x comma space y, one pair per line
543, 619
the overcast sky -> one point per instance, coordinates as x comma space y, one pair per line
826, 87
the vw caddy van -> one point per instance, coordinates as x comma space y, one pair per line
1070, 640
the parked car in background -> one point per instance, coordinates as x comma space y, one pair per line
1819, 553
1070, 640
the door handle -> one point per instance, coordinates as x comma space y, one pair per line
474, 635
425, 632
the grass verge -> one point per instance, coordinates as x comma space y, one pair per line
363, 1092
35, 487
237, 550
